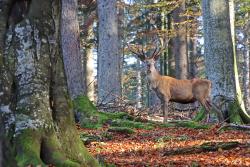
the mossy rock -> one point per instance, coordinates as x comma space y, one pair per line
106, 136
89, 117
132, 124
191, 124
122, 130
84, 105
87, 139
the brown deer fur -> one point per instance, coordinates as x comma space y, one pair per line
175, 90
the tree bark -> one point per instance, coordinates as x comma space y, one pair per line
180, 43
34, 100
139, 85
109, 71
171, 63
193, 56
246, 75
71, 48
220, 59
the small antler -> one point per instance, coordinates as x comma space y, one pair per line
140, 53
157, 53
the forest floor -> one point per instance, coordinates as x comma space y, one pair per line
147, 147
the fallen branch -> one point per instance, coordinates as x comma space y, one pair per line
206, 147
234, 126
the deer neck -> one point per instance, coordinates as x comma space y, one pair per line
153, 76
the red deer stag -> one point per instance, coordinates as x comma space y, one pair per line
175, 90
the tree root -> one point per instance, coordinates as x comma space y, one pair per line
206, 147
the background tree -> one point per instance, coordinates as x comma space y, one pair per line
109, 72
242, 22
220, 58
87, 18
180, 42
71, 48
34, 101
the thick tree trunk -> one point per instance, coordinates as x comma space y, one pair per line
34, 102
180, 43
109, 72
220, 59
71, 48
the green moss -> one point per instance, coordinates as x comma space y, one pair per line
84, 105
201, 115
132, 124
28, 148
123, 130
69, 163
165, 138
168, 138
185, 124
182, 138
87, 138
82, 156
90, 117
234, 116
191, 124
166, 125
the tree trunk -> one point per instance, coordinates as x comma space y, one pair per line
87, 17
193, 56
109, 72
220, 59
88, 61
121, 37
34, 100
246, 75
139, 85
71, 48
180, 42
89, 73
171, 63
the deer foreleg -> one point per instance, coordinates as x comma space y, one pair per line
165, 110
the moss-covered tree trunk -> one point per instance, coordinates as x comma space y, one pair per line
220, 58
34, 100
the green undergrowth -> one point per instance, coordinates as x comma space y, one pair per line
132, 124
169, 138
201, 115
91, 118
185, 124
123, 130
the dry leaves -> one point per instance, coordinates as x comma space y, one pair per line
146, 148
